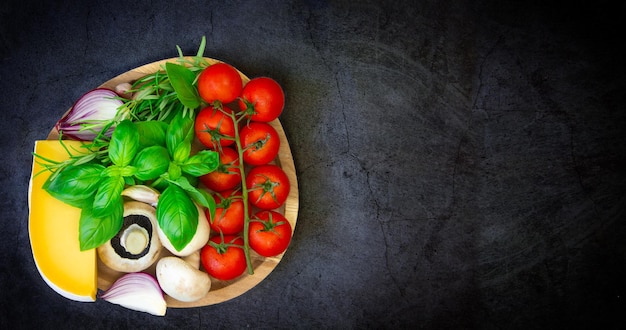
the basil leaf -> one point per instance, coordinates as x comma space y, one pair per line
173, 171
203, 162
112, 170
182, 79
192, 179
181, 152
124, 143
108, 195
151, 133
115, 171
75, 185
129, 181
205, 199
95, 230
177, 216
151, 162
200, 196
180, 131
128, 171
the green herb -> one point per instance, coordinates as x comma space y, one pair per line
182, 80
198, 195
203, 162
124, 143
177, 216
75, 184
178, 137
108, 197
152, 147
151, 162
94, 231
163, 94
151, 133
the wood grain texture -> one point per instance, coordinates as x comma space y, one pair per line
220, 290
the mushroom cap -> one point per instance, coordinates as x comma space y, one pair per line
131, 260
193, 259
180, 280
200, 238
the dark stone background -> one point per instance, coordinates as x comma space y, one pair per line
460, 165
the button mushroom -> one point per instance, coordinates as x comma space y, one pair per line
182, 281
193, 259
137, 245
199, 239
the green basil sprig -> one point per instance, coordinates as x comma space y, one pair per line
75, 184
178, 139
124, 143
156, 149
151, 162
151, 133
200, 196
182, 80
96, 188
94, 231
123, 147
108, 197
179, 136
177, 216
203, 162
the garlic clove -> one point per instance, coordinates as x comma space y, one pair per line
124, 89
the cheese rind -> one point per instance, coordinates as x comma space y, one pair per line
53, 231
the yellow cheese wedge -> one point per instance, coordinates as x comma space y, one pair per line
53, 230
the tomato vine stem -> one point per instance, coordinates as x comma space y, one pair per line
244, 195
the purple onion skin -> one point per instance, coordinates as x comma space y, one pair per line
95, 108
132, 279
137, 291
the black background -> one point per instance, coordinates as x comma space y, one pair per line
459, 165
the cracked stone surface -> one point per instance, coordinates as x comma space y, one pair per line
459, 165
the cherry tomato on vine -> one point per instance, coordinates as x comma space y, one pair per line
229, 213
223, 259
260, 143
215, 127
269, 233
227, 175
268, 186
219, 82
263, 99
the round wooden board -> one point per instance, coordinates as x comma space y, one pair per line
220, 290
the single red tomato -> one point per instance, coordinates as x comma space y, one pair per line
263, 99
223, 259
260, 143
229, 213
269, 233
219, 82
215, 127
227, 175
268, 186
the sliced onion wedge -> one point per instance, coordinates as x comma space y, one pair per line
91, 114
137, 291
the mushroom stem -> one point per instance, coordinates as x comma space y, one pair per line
134, 239
136, 246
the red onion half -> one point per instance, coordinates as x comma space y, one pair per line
91, 113
137, 291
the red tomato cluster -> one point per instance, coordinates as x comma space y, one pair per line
218, 126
